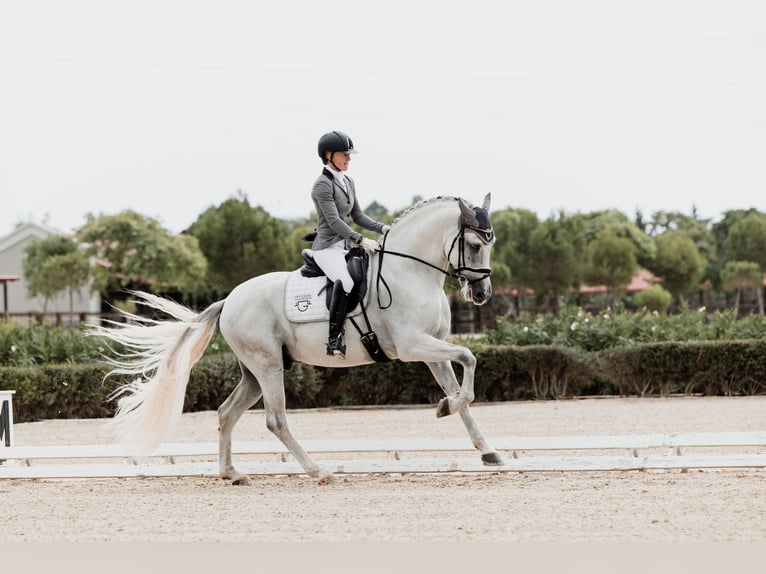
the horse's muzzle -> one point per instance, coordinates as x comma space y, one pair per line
479, 293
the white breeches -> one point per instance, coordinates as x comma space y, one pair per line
332, 261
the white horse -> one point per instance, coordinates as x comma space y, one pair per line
407, 308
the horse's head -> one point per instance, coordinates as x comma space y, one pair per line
469, 253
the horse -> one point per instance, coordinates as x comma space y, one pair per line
411, 320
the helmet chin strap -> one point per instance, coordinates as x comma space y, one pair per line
332, 162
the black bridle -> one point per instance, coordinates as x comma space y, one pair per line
459, 271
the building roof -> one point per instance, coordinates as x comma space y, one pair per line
642, 279
26, 230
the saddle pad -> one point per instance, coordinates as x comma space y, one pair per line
305, 299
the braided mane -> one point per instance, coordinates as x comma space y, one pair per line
423, 203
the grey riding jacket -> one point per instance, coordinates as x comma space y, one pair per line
335, 208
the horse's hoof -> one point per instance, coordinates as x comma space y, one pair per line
242, 480
492, 459
326, 477
443, 410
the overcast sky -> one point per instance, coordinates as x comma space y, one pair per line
170, 107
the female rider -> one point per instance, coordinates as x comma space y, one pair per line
334, 197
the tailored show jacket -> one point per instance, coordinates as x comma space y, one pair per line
335, 208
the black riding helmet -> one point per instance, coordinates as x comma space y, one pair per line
334, 141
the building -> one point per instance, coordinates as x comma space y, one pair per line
21, 307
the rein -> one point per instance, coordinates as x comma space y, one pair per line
458, 273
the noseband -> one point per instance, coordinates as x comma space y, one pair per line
485, 234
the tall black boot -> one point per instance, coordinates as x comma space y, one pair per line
338, 300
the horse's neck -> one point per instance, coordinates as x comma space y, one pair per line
426, 235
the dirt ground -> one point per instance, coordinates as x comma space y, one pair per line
655, 506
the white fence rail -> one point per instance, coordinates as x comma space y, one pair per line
523, 454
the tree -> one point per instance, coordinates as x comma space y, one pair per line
617, 222
611, 261
746, 240
678, 262
378, 212
240, 242
513, 228
135, 252
720, 231
739, 275
53, 265
698, 230
556, 264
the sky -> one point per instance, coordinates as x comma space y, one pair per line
169, 107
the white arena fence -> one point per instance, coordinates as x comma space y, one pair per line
660, 451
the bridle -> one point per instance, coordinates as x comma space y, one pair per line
486, 235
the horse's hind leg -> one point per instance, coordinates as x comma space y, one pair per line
445, 376
244, 396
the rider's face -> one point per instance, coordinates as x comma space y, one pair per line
341, 160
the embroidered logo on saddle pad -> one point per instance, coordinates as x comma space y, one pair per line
306, 299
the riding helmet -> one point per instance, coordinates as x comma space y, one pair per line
335, 141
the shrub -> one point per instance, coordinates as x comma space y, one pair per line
655, 298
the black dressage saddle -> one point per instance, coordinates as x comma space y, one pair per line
357, 261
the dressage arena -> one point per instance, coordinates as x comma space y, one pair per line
655, 505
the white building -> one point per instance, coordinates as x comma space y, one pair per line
20, 305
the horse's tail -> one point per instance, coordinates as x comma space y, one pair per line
161, 355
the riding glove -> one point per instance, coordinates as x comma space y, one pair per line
369, 244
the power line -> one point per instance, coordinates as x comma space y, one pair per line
398, 113
383, 75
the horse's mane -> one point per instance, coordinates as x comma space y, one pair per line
408, 211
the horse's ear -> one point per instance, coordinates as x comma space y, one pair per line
468, 213
487, 199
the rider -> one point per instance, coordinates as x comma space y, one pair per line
335, 200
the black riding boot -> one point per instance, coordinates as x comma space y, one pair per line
338, 300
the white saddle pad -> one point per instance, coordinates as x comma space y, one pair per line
304, 303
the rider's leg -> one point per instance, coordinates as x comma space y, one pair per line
333, 262
338, 307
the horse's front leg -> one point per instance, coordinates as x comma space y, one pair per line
432, 350
445, 376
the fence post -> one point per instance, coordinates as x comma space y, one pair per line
6, 418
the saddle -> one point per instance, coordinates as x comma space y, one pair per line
357, 262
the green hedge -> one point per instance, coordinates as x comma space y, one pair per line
504, 373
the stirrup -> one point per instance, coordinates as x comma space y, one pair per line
336, 347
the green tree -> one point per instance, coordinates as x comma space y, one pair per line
678, 262
240, 242
746, 240
699, 231
617, 222
611, 261
135, 252
739, 275
55, 264
513, 228
720, 231
378, 212
557, 266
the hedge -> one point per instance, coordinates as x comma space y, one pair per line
504, 373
